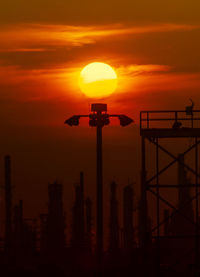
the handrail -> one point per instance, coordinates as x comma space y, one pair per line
177, 116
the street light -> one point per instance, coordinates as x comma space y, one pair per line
99, 118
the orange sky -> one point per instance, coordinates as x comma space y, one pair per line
152, 45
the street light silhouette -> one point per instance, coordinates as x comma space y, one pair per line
99, 118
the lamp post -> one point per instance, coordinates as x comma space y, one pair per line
99, 118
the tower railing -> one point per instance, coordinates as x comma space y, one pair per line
167, 118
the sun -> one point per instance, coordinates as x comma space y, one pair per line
98, 80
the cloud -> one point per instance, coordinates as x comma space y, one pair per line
18, 76
27, 37
23, 50
134, 69
41, 46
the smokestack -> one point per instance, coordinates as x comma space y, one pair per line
8, 203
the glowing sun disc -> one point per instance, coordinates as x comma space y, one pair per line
98, 80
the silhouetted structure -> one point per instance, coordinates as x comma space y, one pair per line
167, 251
114, 220
128, 229
24, 235
78, 221
55, 219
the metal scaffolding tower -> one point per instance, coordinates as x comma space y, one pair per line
155, 126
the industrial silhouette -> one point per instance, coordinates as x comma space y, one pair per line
139, 243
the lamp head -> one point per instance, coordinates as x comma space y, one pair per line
125, 120
73, 121
93, 120
105, 119
99, 107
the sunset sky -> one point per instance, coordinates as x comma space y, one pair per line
154, 47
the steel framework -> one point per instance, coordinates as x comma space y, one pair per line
155, 126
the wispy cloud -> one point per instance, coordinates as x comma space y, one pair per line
29, 36
134, 69
58, 81
16, 75
23, 50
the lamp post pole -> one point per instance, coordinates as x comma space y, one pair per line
99, 118
99, 190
